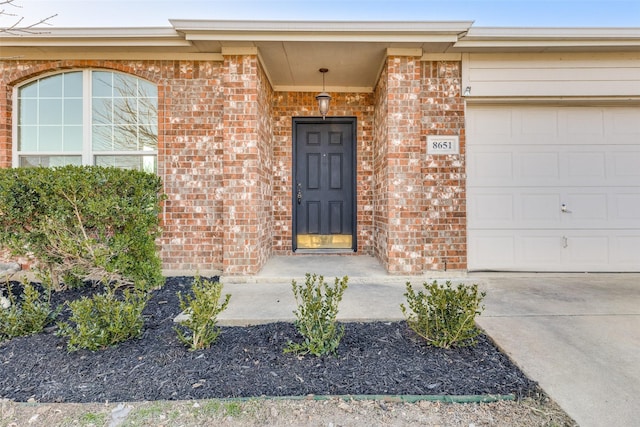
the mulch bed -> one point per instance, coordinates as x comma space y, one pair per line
373, 358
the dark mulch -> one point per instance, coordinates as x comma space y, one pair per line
373, 358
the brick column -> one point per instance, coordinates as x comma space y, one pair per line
241, 169
405, 236
444, 175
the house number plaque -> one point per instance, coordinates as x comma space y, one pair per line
443, 144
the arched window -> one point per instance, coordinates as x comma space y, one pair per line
89, 117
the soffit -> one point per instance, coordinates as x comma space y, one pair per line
293, 52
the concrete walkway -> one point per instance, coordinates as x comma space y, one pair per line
577, 335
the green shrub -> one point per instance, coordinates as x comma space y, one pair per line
316, 315
444, 316
199, 330
25, 316
83, 223
104, 320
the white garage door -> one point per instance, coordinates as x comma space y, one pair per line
553, 188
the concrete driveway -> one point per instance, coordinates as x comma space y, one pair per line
578, 335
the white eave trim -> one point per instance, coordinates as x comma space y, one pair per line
528, 38
454, 27
95, 37
552, 33
336, 31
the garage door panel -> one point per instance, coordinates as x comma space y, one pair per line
589, 250
539, 209
626, 249
580, 125
492, 251
625, 165
541, 249
626, 207
491, 126
585, 158
537, 166
607, 165
492, 167
623, 123
493, 209
554, 250
590, 165
588, 209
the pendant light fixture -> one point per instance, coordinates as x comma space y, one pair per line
323, 98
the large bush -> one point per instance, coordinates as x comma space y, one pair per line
83, 223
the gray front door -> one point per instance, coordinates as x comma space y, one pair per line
324, 182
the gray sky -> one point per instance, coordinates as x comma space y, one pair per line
503, 13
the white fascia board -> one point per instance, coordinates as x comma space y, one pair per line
512, 33
446, 31
454, 27
95, 37
322, 37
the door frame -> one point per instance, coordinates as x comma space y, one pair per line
352, 120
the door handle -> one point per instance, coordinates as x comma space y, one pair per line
564, 209
299, 194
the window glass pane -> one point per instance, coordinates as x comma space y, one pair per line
50, 112
73, 111
27, 138
146, 89
148, 110
125, 86
72, 138
73, 84
101, 84
148, 137
102, 111
29, 91
50, 138
28, 112
125, 138
125, 110
49, 161
51, 87
102, 137
142, 163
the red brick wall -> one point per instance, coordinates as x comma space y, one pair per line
287, 105
225, 153
442, 111
404, 193
380, 171
247, 166
189, 143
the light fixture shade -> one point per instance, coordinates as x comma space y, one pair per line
323, 103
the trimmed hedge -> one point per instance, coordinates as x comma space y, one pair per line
83, 223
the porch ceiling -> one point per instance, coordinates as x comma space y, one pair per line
293, 52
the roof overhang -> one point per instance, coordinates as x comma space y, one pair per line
293, 52
503, 39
